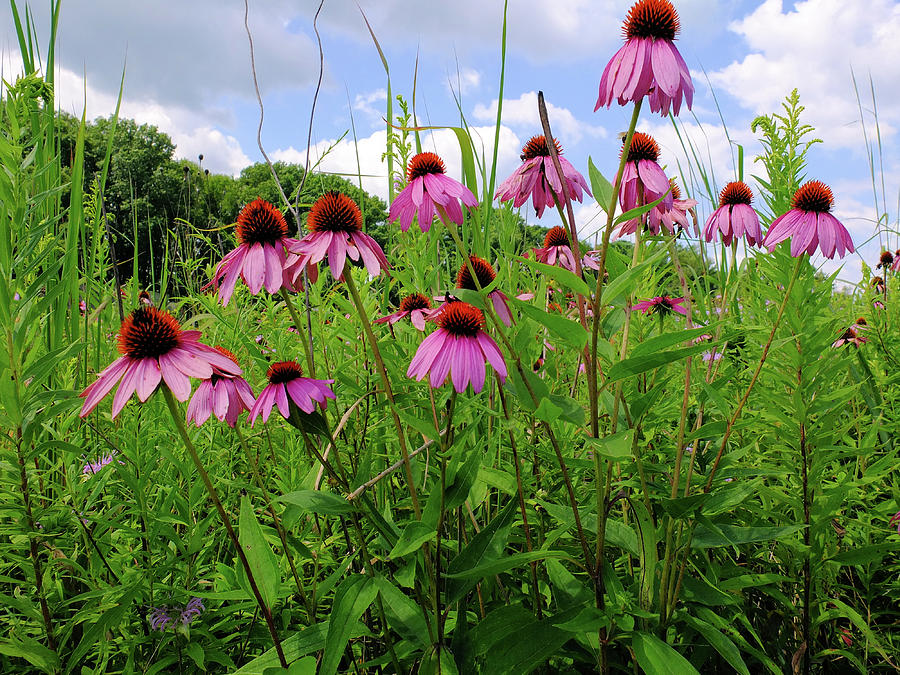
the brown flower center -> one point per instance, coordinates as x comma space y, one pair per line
813, 196
414, 301
461, 319
655, 19
148, 333
284, 371
260, 223
537, 147
424, 163
556, 236
887, 258
735, 192
334, 212
483, 271
643, 147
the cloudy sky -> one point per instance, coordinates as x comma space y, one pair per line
187, 70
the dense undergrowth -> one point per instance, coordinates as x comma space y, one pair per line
677, 491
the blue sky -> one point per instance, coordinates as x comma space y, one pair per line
188, 72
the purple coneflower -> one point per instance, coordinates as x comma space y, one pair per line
429, 187
878, 285
671, 219
895, 519
537, 178
877, 304
154, 349
853, 335
486, 275
810, 225
643, 182
460, 348
896, 266
335, 229
416, 306
734, 218
885, 260
286, 384
557, 249
661, 304
259, 258
224, 395
649, 63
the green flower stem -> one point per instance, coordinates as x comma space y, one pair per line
213, 495
593, 373
673, 595
301, 330
282, 535
759, 366
388, 391
451, 228
669, 556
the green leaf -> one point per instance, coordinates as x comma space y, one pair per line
492, 567
864, 555
307, 641
105, 623
560, 275
316, 501
670, 339
484, 547
403, 615
734, 535
565, 329
525, 649
262, 561
602, 188
720, 642
622, 283
635, 365
351, 599
639, 210
615, 447
656, 657
438, 662
547, 411
649, 557
411, 539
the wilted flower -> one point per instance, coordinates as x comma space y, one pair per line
460, 348
810, 225
649, 63
286, 381
154, 349
734, 218
885, 260
853, 335
896, 265
557, 249
878, 284
335, 229
537, 178
428, 188
259, 258
661, 304
416, 306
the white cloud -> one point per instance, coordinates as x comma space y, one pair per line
463, 81
363, 103
522, 113
181, 53
813, 47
